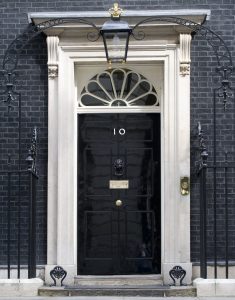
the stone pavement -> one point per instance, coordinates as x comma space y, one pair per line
117, 298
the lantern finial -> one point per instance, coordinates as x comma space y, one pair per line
115, 11
116, 33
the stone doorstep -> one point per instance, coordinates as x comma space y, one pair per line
147, 291
214, 287
20, 287
118, 280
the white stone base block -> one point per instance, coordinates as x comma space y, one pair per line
205, 287
69, 280
166, 267
215, 287
225, 287
20, 287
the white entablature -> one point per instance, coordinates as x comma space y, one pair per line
165, 31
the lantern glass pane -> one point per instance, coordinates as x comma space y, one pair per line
116, 45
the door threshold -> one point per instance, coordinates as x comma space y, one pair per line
121, 276
118, 280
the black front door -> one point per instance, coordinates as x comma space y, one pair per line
119, 184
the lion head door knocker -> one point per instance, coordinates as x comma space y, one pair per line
119, 167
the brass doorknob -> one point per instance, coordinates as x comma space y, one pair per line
119, 203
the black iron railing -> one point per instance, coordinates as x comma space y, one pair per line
18, 210
216, 201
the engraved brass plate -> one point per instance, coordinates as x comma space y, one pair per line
119, 184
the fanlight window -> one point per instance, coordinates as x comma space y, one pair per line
119, 87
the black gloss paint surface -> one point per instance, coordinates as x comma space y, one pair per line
124, 239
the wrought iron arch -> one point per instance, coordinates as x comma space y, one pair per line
10, 60
220, 49
223, 56
218, 45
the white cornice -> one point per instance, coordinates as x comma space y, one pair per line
199, 15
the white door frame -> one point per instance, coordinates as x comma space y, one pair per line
62, 157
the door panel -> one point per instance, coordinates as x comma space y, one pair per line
122, 239
97, 170
139, 171
98, 234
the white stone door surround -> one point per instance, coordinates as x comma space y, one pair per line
64, 54
62, 182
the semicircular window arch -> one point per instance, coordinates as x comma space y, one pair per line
119, 87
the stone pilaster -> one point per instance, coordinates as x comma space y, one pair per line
185, 43
52, 50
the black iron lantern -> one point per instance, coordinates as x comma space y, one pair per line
116, 35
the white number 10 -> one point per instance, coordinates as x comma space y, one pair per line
121, 131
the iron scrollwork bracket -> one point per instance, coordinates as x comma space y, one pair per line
58, 273
225, 91
10, 94
32, 154
202, 163
177, 274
